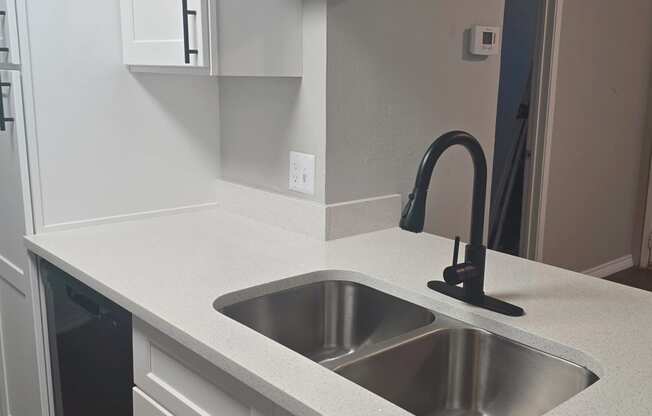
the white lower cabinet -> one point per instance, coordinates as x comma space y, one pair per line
146, 406
171, 380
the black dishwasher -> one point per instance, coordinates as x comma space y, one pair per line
91, 351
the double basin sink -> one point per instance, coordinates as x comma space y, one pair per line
424, 362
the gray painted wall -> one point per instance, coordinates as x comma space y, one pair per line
599, 133
398, 77
382, 79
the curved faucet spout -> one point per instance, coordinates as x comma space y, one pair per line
470, 273
413, 217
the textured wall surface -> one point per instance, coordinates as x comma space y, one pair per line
398, 77
263, 119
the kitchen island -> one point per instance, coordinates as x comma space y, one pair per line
168, 271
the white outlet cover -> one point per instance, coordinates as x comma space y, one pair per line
302, 173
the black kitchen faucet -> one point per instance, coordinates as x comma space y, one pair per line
470, 273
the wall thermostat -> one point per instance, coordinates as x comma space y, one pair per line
485, 40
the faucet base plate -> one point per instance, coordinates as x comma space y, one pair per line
485, 302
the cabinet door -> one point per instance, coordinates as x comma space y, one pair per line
9, 52
172, 33
185, 384
15, 205
159, 372
19, 384
19, 380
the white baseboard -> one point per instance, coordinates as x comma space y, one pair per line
612, 267
127, 217
316, 220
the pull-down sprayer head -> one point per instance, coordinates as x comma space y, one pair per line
414, 213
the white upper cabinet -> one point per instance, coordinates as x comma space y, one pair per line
213, 37
166, 33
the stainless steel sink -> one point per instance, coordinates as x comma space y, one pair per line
329, 319
431, 365
468, 372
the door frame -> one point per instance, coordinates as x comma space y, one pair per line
645, 222
541, 127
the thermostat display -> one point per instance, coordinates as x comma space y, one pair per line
485, 40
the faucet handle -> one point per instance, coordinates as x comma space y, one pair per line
456, 251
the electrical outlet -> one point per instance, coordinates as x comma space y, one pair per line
302, 173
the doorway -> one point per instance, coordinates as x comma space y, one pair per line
524, 123
520, 34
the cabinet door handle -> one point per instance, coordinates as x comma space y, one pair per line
4, 120
186, 36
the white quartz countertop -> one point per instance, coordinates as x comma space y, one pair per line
169, 270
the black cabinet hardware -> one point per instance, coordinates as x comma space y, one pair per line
4, 120
186, 36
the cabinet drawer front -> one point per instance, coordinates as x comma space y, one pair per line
180, 382
145, 406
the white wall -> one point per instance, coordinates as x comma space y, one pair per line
599, 133
263, 119
398, 77
111, 142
